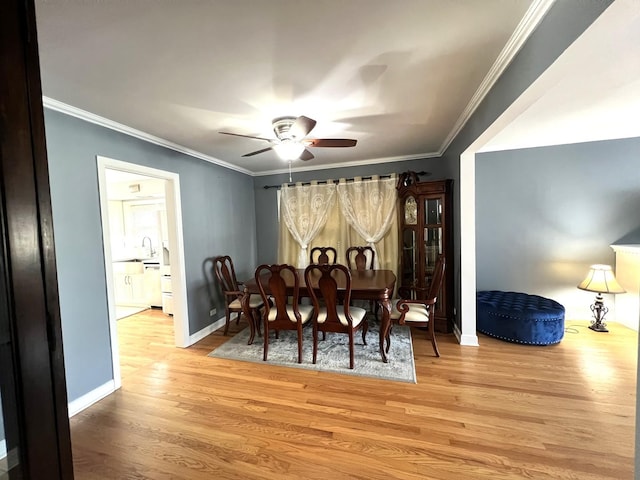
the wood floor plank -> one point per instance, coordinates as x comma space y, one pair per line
499, 411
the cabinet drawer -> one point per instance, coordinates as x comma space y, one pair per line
165, 284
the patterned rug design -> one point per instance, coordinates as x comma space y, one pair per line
333, 353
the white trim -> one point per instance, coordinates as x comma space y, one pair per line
176, 243
109, 278
632, 249
209, 329
3, 449
537, 10
119, 127
88, 399
177, 266
468, 248
465, 340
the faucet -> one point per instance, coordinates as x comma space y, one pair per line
151, 251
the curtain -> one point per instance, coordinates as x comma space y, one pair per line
339, 234
304, 211
369, 207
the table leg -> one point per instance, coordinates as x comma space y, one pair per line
385, 327
249, 315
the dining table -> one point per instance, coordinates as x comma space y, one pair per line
377, 285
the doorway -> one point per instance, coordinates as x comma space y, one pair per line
164, 248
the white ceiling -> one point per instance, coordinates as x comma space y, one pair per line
399, 76
591, 92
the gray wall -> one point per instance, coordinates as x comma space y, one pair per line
218, 218
266, 202
564, 22
543, 215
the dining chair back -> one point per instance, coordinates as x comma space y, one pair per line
419, 312
332, 312
323, 255
279, 313
234, 295
360, 258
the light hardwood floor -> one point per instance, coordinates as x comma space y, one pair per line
500, 411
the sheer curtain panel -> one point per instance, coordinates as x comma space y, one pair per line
369, 207
304, 210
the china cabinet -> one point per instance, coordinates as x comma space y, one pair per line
425, 233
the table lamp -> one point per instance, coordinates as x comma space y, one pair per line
600, 279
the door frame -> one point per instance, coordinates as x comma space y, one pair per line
176, 247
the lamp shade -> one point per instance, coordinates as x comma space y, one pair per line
288, 149
600, 279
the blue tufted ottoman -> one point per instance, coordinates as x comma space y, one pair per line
519, 317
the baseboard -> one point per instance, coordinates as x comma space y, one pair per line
196, 337
465, 340
90, 398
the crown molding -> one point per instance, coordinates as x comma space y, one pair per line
633, 249
61, 107
355, 163
534, 14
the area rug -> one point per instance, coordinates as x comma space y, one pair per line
333, 353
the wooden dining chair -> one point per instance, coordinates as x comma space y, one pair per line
420, 312
234, 295
323, 255
333, 314
279, 313
362, 258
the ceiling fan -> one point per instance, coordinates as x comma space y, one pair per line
290, 142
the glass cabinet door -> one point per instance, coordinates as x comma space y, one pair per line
432, 249
433, 246
433, 211
409, 258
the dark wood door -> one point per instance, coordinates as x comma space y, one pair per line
35, 426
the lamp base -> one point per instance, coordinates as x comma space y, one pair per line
598, 327
599, 311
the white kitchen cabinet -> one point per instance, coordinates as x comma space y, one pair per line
129, 282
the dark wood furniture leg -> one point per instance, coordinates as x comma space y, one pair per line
249, 315
385, 328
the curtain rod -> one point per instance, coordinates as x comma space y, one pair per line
324, 182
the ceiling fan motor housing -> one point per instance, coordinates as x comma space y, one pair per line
282, 126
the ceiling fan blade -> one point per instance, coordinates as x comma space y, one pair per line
301, 127
256, 152
246, 136
306, 155
331, 142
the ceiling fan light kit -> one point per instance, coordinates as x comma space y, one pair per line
290, 143
289, 149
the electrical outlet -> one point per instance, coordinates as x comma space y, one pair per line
212, 312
